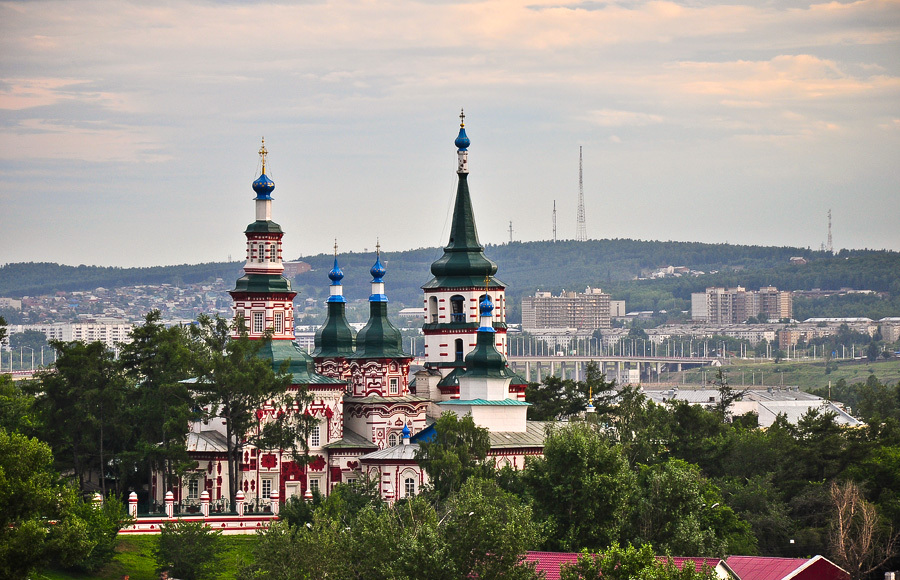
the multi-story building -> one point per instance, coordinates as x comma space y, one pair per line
736, 305
585, 312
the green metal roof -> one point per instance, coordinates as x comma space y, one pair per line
485, 360
485, 403
262, 283
351, 440
379, 338
300, 364
463, 263
335, 337
263, 227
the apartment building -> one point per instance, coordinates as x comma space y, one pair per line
584, 312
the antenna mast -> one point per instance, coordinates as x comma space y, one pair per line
554, 220
829, 248
510, 232
580, 231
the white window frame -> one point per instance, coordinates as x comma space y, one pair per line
392, 439
265, 488
314, 484
259, 322
193, 488
394, 387
409, 486
279, 322
315, 437
273, 253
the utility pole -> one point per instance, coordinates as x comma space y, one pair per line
580, 230
829, 248
510, 232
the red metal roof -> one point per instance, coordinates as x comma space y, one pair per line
550, 562
760, 568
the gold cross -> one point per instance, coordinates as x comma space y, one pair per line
462, 118
263, 153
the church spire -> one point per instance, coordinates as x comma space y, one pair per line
463, 263
486, 360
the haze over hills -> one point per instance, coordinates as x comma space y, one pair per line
525, 267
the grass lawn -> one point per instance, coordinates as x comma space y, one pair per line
134, 558
808, 374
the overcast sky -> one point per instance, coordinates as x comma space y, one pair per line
130, 130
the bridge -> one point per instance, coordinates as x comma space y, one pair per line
622, 368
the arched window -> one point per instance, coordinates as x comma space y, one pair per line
433, 309
457, 303
409, 487
459, 350
392, 439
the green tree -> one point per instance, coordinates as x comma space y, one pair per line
680, 512
631, 563
188, 550
16, 407
455, 453
581, 488
158, 360
28, 496
233, 383
81, 404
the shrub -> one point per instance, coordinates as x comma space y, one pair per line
189, 550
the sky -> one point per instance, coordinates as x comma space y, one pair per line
129, 131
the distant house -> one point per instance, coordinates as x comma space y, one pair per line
760, 568
798, 260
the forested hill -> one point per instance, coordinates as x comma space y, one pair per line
524, 267
37, 278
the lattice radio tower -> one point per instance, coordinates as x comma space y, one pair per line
510, 232
554, 220
580, 230
829, 248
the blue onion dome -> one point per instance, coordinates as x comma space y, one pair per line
405, 432
487, 307
263, 187
336, 274
378, 270
462, 140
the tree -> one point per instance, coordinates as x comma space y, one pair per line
158, 360
872, 351
860, 542
233, 383
16, 413
81, 404
188, 550
680, 512
581, 488
727, 395
630, 562
455, 453
44, 522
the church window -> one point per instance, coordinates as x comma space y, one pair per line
261, 252
409, 486
273, 253
433, 309
314, 485
259, 321
315, 437
279, 322
266, 488
457, 303
458, 343
193, 488
392, 439
395, 385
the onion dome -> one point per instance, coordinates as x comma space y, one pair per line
263, 186
462, 141
405, 433
487, 308
335, 338
379, 338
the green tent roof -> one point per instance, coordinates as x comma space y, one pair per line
463, 263
379, 338
335, 337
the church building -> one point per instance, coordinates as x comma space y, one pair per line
370, 414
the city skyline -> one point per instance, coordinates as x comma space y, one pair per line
129, 132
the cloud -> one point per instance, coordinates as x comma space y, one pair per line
613, 118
